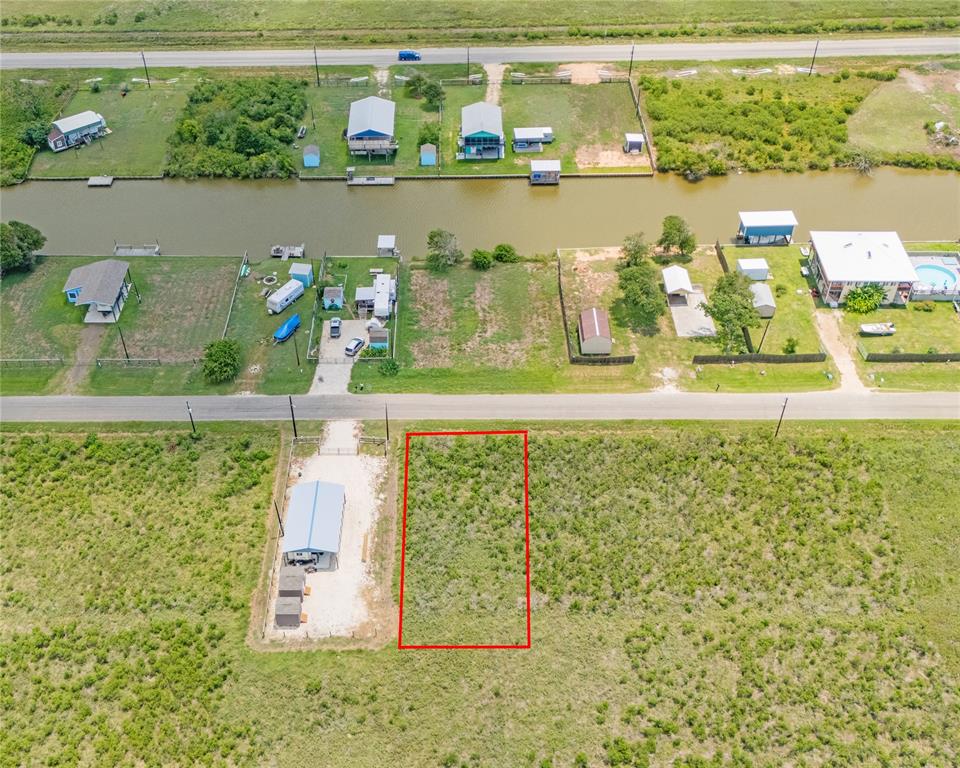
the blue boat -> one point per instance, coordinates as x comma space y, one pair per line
286, 330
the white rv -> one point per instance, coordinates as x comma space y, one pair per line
284, 296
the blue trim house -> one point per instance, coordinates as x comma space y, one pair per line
76, 129
766, 227
370, 129
481, 132
102, 287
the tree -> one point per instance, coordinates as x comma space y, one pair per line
222, 361
635, 250
389, 367
416, 86
35, 134
506, 254
442, 249
642, 297
481, 259
865, 299
676, 234
731, 308
434, 94
790, 346
19, 243
249, 140
429, 134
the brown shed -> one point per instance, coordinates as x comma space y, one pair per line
594, 330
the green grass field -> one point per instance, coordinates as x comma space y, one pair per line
140, 123
699, 590
465, 573
249, 23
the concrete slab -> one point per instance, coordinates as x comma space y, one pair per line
689, 320
334, 367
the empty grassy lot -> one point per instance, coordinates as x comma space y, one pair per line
73, 23
140, 123
465, 572
892, 118
698, 590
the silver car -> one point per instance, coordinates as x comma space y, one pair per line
354, 347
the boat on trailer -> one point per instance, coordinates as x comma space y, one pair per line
286, 330
878, 329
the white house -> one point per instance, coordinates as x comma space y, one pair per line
842, 261
370, 129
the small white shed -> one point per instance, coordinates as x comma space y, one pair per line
763, 300
633, 142
755, 269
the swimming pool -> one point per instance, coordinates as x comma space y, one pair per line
936, 276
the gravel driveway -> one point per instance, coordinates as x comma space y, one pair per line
333, 369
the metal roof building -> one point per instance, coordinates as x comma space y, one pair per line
593, 328
102, 286
676, 281
760, 227
371, 117
314, 520
763, 300
481, 117
842, 260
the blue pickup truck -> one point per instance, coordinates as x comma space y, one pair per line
408, 56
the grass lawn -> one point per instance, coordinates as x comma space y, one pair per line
795, 311
465, 573
140, 123
891, 119
791, 599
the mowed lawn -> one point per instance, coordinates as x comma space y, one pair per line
140, 123
697, 589
892, 118
465, 559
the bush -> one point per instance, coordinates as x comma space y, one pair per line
443, 251
642, 297
19, 243
924, 306
481, 259
506, 254
35, 134
780, 290
389, 367
429, 134
790, 347
95, 86
222, 361
864, 299
374, 352
731, 308
635, 249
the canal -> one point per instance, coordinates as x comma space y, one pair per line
227, 217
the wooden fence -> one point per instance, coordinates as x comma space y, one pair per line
236, 286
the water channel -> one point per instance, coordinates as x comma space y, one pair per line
228, 217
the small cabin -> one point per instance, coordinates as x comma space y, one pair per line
102, 287
481, 132
311, 156
302, 273
428, 154
379, 338
333, 297
755, 269
531, 139
633, 143
76, 129
370, 129
544, 171
766, 227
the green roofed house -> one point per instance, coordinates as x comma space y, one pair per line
102, 287
370, 130
481, 132
76, 129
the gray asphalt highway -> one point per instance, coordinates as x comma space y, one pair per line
898, 46
647, 406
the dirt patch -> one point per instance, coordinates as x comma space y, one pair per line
382, 75
786, 69
479, 348
584, 73
431, 300
828, 326
600, 156
494, 80
86, 354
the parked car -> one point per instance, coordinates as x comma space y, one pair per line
335, 324
354, 347
408, 56
302, 132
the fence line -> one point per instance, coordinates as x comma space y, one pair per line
759, 357
131, 362
313, 321
30, 362
635, 94
563, 309
236, 286
603, 360
907, 357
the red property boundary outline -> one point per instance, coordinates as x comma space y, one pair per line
526, 519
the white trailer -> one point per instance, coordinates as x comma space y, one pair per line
284, 296
382, 296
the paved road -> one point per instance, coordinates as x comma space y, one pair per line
651, 405
899, 46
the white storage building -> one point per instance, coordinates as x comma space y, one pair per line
763, 300
311, 533
755, 269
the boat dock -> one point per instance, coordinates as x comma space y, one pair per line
100, 181
371, 181
150, 249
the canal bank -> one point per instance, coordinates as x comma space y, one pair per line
207, 217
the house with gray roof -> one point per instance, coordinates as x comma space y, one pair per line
76, 129
102, 287
370, 129
311, 532
481, 132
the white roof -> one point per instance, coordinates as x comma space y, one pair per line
364, 293
532, 133
540, 166
762, 295
851, 257
768, 219
745, 264
481, 116
381, 293
631, 137
386, 241
300, 269
80, 120
314, 518
371, 114
677, 280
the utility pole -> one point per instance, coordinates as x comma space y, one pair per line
316, 65
386, 420
279, 520
122, 342
292, 417
145, 70
632, 47
297, 350
814, 61
782, 411
193, 426
760, 345
468, 65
